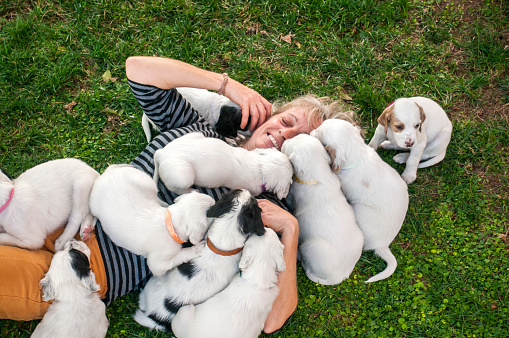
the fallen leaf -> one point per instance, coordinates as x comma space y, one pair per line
110, 111
298, 44
70, 106
107, 77
288, 38
493, 307
343, 94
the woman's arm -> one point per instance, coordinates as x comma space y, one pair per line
285, 224
168, 73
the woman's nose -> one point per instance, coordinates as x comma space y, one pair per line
288, 133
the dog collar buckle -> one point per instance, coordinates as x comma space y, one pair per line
8, 201
171, 229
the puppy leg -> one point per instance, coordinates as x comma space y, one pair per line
389, 145
27, 243
80, 212
178, 176
378, 137
432, 161
410, 173
87, 226
159, 265
401, 157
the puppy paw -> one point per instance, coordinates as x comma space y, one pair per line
60, 244
408, 178
86, 233
386, 145
401, 158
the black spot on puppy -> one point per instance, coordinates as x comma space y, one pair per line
164, 322
79, 263
171, 305
229, 121
187, 269
224, 205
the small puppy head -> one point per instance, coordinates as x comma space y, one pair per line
277, 170
241, 204
229, 121
262, 258
306, 153
70, 266
402, 120
341, 139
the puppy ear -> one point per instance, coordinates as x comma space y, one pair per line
335, 164
246, 259
280, 260
224, 205
385, 118
48, 289
423, 116
89, 282
250, 218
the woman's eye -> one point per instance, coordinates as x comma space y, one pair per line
284, 122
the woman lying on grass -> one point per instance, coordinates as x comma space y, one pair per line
118, 271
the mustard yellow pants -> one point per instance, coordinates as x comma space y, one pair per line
21, 271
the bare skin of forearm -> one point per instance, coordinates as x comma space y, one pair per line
286, 301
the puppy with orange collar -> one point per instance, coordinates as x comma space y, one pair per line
419, 126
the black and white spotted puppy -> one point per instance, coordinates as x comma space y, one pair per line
220, 112
236, 216
76, 311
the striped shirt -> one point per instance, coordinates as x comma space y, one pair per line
174, 117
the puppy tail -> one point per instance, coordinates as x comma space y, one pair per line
392, 263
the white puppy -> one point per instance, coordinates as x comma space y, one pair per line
209, 162
220, 112
375, 190
44, 198
241, 309
236, 215
76, 310
125, 201
330, 241
417, 124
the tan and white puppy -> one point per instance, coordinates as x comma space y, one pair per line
241, 309
330, 241
125, 200
417, 124
194, 159
375, 190
44, 198
76, 310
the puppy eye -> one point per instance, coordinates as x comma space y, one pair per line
399, 127
417, 125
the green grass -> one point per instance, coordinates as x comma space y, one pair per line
452, 251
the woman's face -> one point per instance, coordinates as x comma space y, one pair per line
279, 128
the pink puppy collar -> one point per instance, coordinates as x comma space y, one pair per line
8, 201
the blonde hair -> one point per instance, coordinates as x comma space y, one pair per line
317, 109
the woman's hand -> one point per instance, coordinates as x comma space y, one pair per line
252, 103
166, 73
284, 223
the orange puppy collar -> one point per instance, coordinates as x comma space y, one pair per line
171, 229
220, 252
